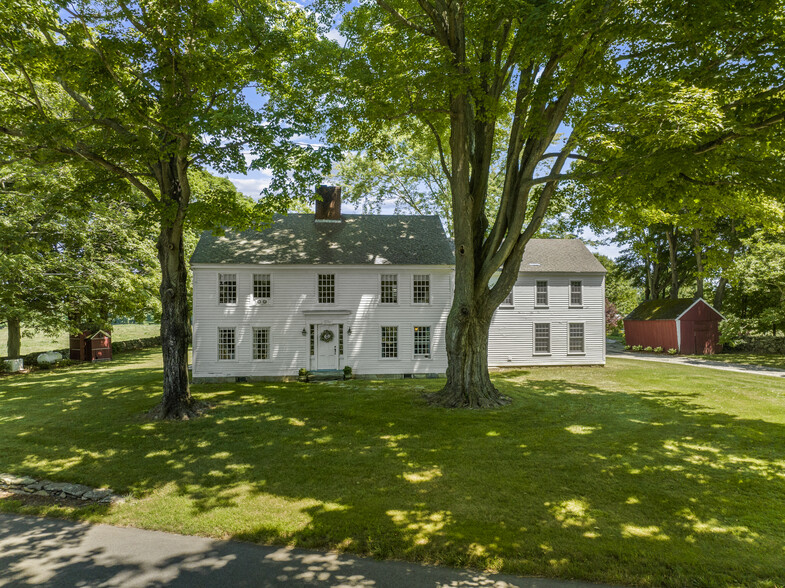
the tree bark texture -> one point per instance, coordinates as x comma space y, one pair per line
719, 294
14, 344
670, 233
177, 402
696, 243
468, 381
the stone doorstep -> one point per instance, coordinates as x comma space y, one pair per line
23, 485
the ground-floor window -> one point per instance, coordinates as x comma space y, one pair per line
313, 340
261, 343
226, 343
389, 342
542, 338
576, 338
422, 342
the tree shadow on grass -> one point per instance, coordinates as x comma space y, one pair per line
573, 480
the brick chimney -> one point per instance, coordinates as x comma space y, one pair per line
329, 207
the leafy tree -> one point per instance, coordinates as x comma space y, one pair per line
463, 68
149, 91
76, 250
619, 288
758, 281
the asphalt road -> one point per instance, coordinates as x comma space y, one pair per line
51, 552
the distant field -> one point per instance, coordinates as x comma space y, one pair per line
41, 342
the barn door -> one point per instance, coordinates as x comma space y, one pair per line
704, 342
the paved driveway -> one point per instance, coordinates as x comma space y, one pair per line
50, 552
615, 349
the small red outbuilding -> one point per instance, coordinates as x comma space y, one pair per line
89, 346
686, 324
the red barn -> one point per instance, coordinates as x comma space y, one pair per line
686, 324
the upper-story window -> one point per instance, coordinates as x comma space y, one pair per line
576, 293
326, 289
389, 286
227, 288
541, 293
262, 288
421, 289
508, 302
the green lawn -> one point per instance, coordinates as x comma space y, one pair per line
637, 473
40, 342
768, 360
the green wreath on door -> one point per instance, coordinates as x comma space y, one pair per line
327, 336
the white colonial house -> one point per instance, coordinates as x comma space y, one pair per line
373, 292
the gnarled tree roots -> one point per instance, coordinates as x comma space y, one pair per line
184, 411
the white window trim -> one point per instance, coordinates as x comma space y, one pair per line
509, 305
397, 344
550, 338
569, 294
253, 285
430, 291
236, 289
335, 288
584, 338
218, 344
547, 294
422, 357
397, 290
269, 343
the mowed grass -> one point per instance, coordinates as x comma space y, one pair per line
768, 360
40, 342
638, 473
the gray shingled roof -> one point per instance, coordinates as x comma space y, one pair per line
660, 309
559, 255
356, 239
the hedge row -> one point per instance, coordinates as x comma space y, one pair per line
759, 344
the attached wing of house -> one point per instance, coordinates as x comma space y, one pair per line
555, 314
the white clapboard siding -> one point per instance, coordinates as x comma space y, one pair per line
293, 306
511, 339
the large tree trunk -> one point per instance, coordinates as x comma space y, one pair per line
719, 295
177, 402
670, 233
14, 344
696, 243
468, 382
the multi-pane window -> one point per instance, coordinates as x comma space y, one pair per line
508, 302
261, 343
226, 343
227, 288
576, 338
261, 287
542, 338
576, 293
389, 342
421, 289
389, 289
326, 288
422, 342
313, 339
541, 293
340, 339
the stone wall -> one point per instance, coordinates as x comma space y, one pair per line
117, 347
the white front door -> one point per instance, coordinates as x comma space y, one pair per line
327, 351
